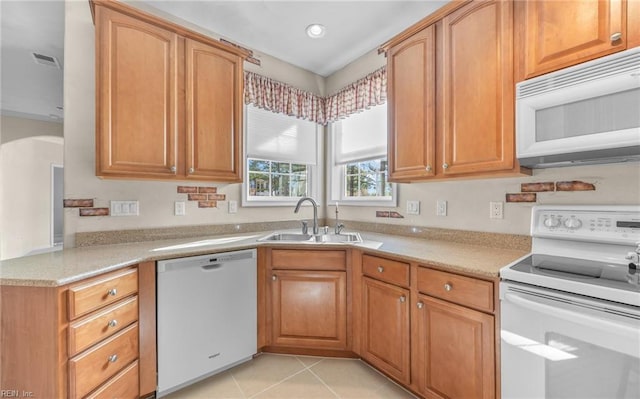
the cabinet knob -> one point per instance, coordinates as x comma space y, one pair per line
113, 358
429, 168
445, 166
616, 36
420, 305
403, 299
448, 287
112, 323
274, 277
173, 169
380, 269
191, 170
112, 292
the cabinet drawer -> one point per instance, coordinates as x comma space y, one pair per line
451, 287
123, 385
308, 260
110, 288
94, 366
387, 270
95, 327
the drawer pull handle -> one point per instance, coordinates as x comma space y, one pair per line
112, 323
448, 287
616, 36
420, 305
403, 299
113, 358
380, 269
112, 292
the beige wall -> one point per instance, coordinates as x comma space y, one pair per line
14, 128
25, 193
468, 200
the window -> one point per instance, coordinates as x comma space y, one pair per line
282, 157
358, 163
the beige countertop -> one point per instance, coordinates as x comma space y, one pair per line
74, 264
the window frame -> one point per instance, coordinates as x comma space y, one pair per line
336, 179
314, 174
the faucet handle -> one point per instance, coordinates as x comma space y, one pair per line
338, 228
305, 227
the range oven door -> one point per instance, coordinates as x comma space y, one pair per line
559, 345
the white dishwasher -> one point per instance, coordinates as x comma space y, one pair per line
207, 316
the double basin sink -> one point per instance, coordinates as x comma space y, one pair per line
310, 238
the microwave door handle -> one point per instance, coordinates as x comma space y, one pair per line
563, 311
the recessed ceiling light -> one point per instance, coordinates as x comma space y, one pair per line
316, 31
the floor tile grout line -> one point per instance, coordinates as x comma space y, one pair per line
325, 384
244, 395
278, 383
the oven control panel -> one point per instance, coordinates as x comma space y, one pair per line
613, 224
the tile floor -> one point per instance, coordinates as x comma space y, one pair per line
296, 377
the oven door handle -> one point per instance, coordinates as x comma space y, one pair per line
563, 310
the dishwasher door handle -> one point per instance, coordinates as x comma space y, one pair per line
214, 266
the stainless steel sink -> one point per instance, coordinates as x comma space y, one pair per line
308, 238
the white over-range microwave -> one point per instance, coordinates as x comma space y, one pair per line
585, 114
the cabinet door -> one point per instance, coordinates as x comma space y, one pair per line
136, 68
385, 321
213, 113
455, 349
411, 102
633, 23
309, 309
557, 34
477, 95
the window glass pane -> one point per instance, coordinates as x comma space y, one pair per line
273, 179
258, 165
367, 179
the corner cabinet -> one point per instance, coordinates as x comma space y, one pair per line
451, 101
306, 300
557, 34
168, 101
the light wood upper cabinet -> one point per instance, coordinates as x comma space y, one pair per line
169, 100
411, 107
451, 95
136, 73
557, 34
476, 101
214, 113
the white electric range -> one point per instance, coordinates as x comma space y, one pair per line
570, 311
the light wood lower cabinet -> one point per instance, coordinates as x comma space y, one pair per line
304, 305
455, 350
93, 338
385, 321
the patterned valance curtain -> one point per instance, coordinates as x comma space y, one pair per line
279, 97
363, 94
282, 98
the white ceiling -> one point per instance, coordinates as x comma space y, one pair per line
276, 28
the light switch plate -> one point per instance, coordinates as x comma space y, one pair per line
233, 206
124, 208
441, 208
413, 207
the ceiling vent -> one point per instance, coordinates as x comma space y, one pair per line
46, 60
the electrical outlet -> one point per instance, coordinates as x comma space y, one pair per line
441, 208
233, 206
413, 207
496, 210
179, 208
